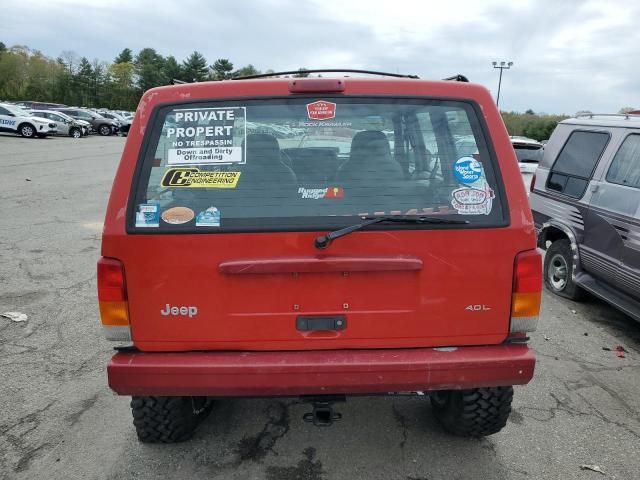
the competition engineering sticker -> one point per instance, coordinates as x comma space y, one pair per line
195, 178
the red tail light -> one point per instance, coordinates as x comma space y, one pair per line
112, 297
527, 290
111, 286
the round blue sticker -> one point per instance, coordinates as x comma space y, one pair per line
467, 169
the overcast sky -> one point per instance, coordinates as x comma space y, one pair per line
568, 55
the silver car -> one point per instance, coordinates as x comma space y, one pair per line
66, 125
529, 153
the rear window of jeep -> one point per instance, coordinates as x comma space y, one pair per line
308, 163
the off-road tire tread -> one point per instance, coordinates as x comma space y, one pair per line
165, 419
477, 412
571, 290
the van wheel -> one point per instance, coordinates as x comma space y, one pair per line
473, 413
27, 130
104, 130
168, 419
558, 268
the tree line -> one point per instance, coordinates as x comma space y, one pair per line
529, 124
27, 74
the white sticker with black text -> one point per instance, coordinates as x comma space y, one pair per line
206, 136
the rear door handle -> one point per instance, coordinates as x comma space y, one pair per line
334, 322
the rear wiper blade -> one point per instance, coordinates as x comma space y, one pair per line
323, 241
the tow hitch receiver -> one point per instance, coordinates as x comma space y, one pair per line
323, 414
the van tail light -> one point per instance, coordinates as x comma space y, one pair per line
533, 183
112, 297
527, 291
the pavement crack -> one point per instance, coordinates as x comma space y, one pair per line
402, 422
29, 418
84, 406
14, 434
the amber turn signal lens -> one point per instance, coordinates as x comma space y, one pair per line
525, 304
114, 314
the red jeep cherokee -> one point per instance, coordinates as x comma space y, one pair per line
319, 237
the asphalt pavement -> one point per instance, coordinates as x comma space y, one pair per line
59, 420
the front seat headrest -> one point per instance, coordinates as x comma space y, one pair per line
370, 143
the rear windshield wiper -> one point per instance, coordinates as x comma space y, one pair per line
323, 241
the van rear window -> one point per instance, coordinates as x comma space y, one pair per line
313, 163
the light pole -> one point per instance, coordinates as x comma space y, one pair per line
502, 66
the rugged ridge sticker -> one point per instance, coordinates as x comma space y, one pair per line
318, 193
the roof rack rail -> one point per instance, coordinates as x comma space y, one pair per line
625, 115
325, 70
457, 78
175, 81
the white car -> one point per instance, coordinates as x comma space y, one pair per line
65, 124
16, 120
529, 153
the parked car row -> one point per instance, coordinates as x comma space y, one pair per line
22, 122
31, 119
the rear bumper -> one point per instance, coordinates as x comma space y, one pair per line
248, 374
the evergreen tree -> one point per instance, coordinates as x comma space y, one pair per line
125, 56
222, 69
172, 68
194, 68
150, 69
84, 82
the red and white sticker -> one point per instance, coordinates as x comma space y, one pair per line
473, 201
321, 110
318, 193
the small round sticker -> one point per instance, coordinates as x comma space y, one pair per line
178, 215
467, 170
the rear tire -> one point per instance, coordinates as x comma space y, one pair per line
168, 419
558, 269
477, 412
